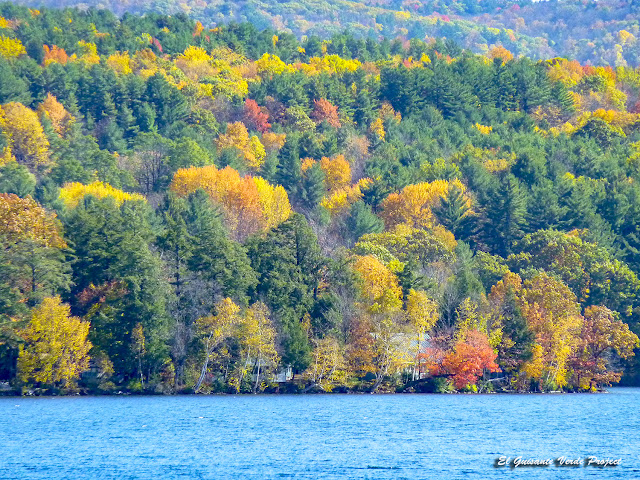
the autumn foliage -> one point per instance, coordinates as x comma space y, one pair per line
413, 205
250, 204
601, 335
324, 111
255, 117
25, 219
11, 47
60, 118
57, 349
379, 288
466, 362
337, 172
54, 54
74, 192
501, 53
237, 137
27, 140
469, 217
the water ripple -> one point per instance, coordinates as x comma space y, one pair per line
328, 436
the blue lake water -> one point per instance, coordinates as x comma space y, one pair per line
317, 436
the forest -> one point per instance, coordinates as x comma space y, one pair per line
596, 32
233, 210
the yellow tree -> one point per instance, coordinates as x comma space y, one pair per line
552, 313
250, 204
60, 119
26, 138
271, 65
240, 200
56, 349
120, 63
215, 329
379, 287
273, 141
376, 129
87, 53
339, 201
392, 346
31, 244
337, 172
412, 244
74, 192
328, 367
501, 53
237, 136
257, 336
197, 31
413, 204
11, 47
381, 297
274, 202
25, 219
195, 62
422, 313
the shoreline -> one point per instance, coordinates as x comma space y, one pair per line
16, 394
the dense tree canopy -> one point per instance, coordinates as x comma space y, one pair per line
228, 210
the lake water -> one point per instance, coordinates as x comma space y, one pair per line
317, 436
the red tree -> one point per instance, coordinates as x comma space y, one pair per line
465, 362
254, 117
325, 110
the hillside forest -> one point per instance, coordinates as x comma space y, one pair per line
230, 209
595, 32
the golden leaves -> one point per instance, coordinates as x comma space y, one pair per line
328, 366
422, 311
377, 129
341, 199
26, 138
413, 204
501, 53
219, 326
483, 129
237, 136
271, 65
54, 54
56, 349
195, 54
273, 141
250, 204
257, 334
379, 287
552, 313
274, 202
73, 192
337, 172
121, 63
11, 47
87, 53
25, 219
60, 119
